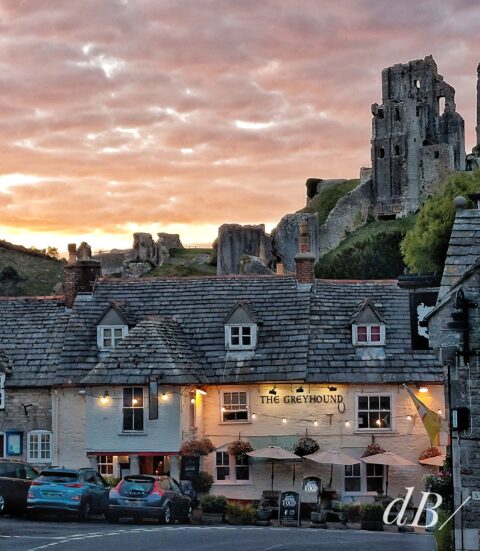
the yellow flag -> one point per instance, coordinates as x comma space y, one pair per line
435, 424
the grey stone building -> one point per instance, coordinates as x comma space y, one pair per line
417, 137
454, 328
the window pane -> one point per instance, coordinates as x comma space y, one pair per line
107, 343
242, 473
385, 402
242, 397
234, 398
107, 333
117, 334
374, 402
127, 419
246, 330
227, 398
375, 333
127, 397
363, 419
363, 402
246, 340
353, 484
235, 340
235, 331
138, 395
361, 333
138, 419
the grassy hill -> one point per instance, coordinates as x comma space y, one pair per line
26, 272
371, 252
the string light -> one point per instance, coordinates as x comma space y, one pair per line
284, 420
192, 400
254, 416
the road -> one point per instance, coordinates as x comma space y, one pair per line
48, 535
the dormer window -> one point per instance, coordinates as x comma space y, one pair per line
108, 336
368, 325
112, 327
241, 328
240, 337
368, 335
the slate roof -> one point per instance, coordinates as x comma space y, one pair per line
153, 348
332, 356
463, 249
31, 338
199, 306
303, 335
5, 365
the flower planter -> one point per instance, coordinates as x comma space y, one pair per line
372, 525
237, 520
212, 518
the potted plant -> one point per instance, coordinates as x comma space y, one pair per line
240, 514
213, 509
372, 517
202, 482
372, 449
239, 449
195, 446
351, 512
306, 446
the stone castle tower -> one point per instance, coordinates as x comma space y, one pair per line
478, 106
417, 137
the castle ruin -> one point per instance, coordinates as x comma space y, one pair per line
417, 137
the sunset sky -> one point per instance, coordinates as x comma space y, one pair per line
179, 115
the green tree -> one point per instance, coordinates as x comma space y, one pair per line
424, 248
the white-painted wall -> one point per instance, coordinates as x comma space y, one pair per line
408, 437
104, 423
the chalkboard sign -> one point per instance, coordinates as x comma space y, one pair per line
190, 467
421, 303
289, 508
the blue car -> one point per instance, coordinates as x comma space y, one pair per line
81, 492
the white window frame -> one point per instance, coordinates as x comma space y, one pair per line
389, 395
222, 406
2, 390
241, 346
108, 463
143, 408
232, 466
363, 483
37, 434
101, 336
369, 341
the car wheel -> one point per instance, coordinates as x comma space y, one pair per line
167, 515
85, 511
2, 505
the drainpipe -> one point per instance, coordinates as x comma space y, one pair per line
57, 424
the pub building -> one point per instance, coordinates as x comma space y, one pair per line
141, 366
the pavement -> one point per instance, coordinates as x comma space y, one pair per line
19, 534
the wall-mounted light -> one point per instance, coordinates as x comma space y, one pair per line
299, 389
315, 423
439, 411
201, 391
164, 396
409, 417
422, 388
192, 400
332, 388
272, 391
284, 420
223, 408
347, 423
105, 398
254, 416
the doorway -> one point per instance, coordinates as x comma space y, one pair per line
155, 464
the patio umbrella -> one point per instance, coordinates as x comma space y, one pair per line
274, 453
388, 459
332, 457
436, 461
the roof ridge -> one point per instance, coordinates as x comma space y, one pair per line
34, 297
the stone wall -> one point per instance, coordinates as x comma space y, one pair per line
350, 213
38, 415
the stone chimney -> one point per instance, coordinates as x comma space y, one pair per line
79, 273
305, 259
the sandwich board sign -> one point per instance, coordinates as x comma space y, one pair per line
289, 508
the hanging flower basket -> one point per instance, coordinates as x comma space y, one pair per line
239, 448
429, 452
306, 446
372, 449
202, 446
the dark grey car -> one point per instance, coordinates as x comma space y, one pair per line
149, 496
15, 480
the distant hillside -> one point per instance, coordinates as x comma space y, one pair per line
27, 272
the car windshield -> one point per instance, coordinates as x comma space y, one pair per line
136, 486
55, 476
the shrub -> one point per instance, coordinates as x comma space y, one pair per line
214, 504
306, 446
444, 537
425, 246
372, 512
112, 481
442, 484
234, 509
352, 510
203, 482
202, 446
248, 514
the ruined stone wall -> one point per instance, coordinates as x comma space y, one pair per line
350, 213
286, 238
437, 161
410, 117
235, 241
